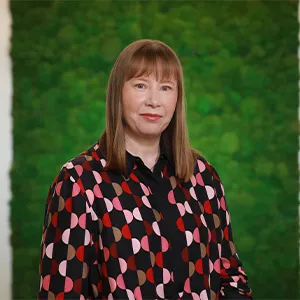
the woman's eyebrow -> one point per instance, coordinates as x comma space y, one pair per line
163, 81
169, 81
140, 78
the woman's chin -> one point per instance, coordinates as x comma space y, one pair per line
150, 133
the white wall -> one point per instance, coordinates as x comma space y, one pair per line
6, 149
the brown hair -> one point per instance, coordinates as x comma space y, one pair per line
145, 57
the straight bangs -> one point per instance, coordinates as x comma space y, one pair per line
159, 62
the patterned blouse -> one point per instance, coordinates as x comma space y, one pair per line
147, 236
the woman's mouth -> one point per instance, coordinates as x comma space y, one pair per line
151, 117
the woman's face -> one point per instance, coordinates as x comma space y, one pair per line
148, 105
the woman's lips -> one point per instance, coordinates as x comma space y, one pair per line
151, 117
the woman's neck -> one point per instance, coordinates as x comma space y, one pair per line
147, 149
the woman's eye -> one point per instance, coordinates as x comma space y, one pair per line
166, 86
139, 85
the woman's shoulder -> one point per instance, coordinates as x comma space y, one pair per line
90, 159
205, 168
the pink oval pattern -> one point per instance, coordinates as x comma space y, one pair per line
203, 295
128, 216
210, 192
166, 275
123, 265
82, 221
68, 284
196, 235
79, 170
145, 189
66, 236
201, 166
193, 193
160, 290
189, 237
113, 283
138, 293
181, 208
117, 204
137, 214
120, 282
46, 282
63, 268
76, 189
187, 286
171, 197
97, 191
109, 205
49, 250
145, 243
74, 220
136, 245
97, 177
156, 228
199, 179
146, 201
90, 196
164, 244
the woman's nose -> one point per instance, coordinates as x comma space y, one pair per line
153, 97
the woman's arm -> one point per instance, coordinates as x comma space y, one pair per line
234, 281
67, 248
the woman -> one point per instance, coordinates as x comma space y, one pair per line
140, 214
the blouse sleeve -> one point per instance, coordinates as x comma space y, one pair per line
234, 281
68, 254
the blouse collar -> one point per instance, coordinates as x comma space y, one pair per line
131, 159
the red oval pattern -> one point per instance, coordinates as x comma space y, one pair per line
226, 234
78, 286
68, 204
199, 266
180, 224
148, 227
80, 253
131, 263
106, 220
126, 232
207, 207
159, 259
113, 251
149, 275
133, 177
54, 219
125, 187
185, 255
